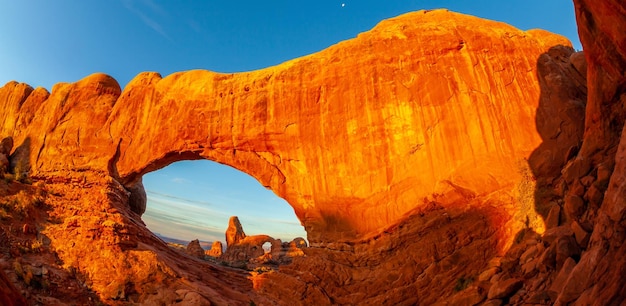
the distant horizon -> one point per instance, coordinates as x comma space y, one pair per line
198, 206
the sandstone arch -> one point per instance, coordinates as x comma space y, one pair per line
352, 142
353, 137
450, 122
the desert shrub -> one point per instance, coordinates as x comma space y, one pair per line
462, 283
26, 274
3, 213
40, 184
23, 273
8, 177
262, 269
24, 203
20, 171
19, 271
36, 246
8, 205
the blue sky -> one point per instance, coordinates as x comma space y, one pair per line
45, 42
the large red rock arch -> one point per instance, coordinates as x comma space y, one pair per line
353, 137
462, 114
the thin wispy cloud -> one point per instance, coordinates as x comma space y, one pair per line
148, 11
153, 195
179, 229
180, 180
194, 26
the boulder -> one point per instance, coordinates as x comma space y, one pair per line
554, 216
561, 278
594, 195
194, 249
547, 260
604, 174
574, 207
488, 273
298, 242
576, 169
566, 247
553, 234
577, 188
505, 288
579, 62
582, 236
138, 198
587, 180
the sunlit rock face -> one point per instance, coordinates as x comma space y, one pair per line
415, 155
353, 137
234, 232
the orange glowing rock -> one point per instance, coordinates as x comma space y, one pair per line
414, 154
353, 137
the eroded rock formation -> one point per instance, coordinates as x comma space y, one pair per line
194, 249
216, 250
242, 249
248, 248
425, 159
234, 232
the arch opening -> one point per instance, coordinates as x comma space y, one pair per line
194, 199
267, 247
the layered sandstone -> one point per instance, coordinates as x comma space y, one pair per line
353, 137
412, 154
